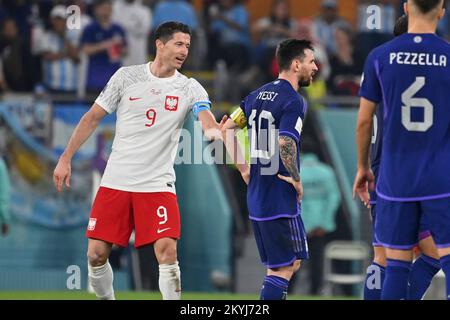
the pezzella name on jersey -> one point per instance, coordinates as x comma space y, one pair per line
418, 59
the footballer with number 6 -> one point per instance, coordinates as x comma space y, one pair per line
411, 76
137, 190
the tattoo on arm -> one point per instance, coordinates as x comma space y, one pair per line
288, 153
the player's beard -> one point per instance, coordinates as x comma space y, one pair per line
304, 82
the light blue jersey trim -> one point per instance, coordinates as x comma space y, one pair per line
200, 106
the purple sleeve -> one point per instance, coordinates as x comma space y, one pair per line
291, 121
370, 85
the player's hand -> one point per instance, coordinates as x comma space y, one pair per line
364, 181
246, 175
62, 174
222, 122
297, 185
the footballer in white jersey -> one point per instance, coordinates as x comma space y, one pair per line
149, 111
137, 191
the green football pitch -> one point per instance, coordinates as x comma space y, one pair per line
123, 295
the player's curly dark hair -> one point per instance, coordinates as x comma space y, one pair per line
165, 31
289, 50
426, 6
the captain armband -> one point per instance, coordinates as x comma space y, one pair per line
239, 118
200, 106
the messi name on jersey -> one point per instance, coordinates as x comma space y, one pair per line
267, 95
418, 59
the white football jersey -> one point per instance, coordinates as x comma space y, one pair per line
149, 112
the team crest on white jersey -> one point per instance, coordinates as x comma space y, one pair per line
171, 103
92, 223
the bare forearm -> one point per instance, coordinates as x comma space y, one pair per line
49, 56
234, 151
91, 49
363, 137
288, 154
81, 133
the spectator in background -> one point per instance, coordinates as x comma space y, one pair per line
23, 13
104, 42
4, 198
175, 10
347, 65
321, 199
60, 54
136, 19
15, 60
326, 24
318, 88
269, 32
229, 37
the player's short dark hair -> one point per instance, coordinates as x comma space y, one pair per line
426, 6
166, 30
401, 25
289, 50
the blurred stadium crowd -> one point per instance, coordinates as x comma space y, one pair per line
40, 51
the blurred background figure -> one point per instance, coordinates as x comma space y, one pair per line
268, 32
229, 36
104, 42
175, 10
60, 54
346, 64
15, 60
4, 198
136, 19
327, 22
320, 202
318, 88
229, 45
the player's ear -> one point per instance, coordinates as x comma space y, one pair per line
405, 8
296, 64
159, 44
441, 13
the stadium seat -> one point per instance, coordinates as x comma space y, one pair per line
353, 251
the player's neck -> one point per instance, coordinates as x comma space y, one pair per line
159, 70
291, 78
422, 26
104, 23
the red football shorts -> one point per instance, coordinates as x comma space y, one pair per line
115, 213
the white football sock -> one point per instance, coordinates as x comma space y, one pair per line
101, 279
170, 281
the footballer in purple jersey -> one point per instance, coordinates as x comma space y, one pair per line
274, 117
411, 76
